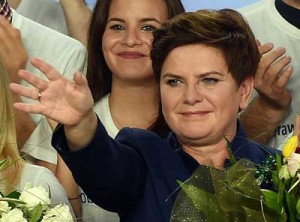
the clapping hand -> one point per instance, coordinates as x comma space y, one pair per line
62, 100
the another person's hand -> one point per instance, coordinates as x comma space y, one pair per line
272, 77
12, 52
67, 102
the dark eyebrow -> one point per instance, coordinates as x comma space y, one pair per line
142, 20
116, 20
172, 75
209, 73
151, 20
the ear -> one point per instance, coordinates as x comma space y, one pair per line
246, 89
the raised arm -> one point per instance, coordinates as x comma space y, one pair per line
273, 101
93, 152
67, 102
14, 57
78, 17
14, 3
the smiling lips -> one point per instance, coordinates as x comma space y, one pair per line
131, 55
195, 113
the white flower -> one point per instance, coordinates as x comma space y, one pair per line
14, 215
34, 196
284, 172
58, 214
4, 206
293, 163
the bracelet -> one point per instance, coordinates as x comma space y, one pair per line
74, 198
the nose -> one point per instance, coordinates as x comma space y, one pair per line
193, 94
132, 38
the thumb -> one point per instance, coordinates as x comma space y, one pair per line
80, 79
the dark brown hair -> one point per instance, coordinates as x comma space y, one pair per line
99, 75
224, 29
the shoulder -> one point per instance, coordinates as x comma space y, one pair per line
140, 136
243, 147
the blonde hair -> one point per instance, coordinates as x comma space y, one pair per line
11, 171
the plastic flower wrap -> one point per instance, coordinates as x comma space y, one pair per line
234, 194
32, 205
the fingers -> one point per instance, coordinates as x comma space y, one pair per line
80, 79
274, 72
33, 80
284, 77
270, 66
35, 108
31, 93
272, 56
46, 68
264, 48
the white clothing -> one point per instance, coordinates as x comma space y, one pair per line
269, 26
66, 55
46, 12
102, 109
41, 176
90, 211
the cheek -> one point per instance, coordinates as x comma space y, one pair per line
165, 101
109, 40
147, 39
169, 100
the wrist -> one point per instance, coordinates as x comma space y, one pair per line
273, 112
80, 134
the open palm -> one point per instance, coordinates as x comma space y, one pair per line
62, 100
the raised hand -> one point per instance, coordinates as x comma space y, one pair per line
272, 104
272, 77
12, 52
62, 100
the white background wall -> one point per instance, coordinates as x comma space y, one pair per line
193, 5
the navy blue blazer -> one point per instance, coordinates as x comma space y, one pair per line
135, 175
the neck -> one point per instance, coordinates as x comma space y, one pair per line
134, 106
211, 155
293, 3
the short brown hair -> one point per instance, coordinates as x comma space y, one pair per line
224, 29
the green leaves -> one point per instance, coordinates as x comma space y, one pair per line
215, 195
36, 213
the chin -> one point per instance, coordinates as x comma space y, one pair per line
194, 135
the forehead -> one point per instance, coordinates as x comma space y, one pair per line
139, 9
194, 59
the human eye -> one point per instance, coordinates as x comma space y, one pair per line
173, 82
117, 27
148, 28
210, 81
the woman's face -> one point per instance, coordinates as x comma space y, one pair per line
126, 41
200, 98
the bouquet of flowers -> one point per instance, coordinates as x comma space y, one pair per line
32, 205
235, 194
